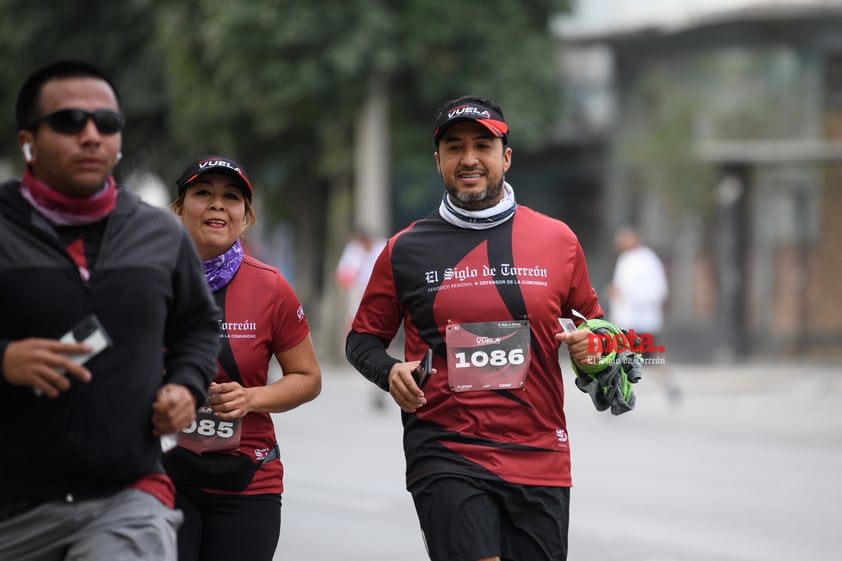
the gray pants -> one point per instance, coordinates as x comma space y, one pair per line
129, 526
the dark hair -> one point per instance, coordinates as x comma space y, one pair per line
26, 107
448, 105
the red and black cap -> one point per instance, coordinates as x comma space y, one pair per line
472, 111
214, 164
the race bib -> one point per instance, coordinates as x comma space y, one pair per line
207, 433
491, 355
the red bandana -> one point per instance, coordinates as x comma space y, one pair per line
68, 211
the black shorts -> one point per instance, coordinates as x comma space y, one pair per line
465, 519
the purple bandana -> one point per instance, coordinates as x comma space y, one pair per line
221, 269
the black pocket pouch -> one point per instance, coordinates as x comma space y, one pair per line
228, 472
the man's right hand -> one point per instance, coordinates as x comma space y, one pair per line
44, 364
403, 388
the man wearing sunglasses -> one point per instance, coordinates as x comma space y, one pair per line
107, 339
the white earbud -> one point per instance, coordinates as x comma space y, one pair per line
119, 156
27, 152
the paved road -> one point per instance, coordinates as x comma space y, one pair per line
747, 466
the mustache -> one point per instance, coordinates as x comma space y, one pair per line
471, 169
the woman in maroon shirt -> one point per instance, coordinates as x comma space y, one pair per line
227, 470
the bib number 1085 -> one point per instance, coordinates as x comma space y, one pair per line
208, 427
480, 359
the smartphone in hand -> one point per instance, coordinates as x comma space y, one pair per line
567, 325
425, 368
90, 332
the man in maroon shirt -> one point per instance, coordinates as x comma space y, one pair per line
482, 282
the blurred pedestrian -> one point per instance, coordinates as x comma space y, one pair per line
81, 474
482, 282
639, 289
638, 286
354, 268
227, 466
352, 274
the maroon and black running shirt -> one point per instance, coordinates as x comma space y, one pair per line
434, 274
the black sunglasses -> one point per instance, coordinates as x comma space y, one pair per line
72, 121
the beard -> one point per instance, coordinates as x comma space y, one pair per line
477, 200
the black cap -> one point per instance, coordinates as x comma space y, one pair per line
472, 111
214, 164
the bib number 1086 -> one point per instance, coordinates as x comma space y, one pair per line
480, 359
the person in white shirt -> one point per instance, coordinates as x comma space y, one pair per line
638, 286
639, 290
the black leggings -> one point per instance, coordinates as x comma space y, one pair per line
223, 527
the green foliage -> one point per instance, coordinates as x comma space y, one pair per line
501, 50
113, 35
279, 84
198, 75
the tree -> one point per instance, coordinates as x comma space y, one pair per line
114, 36
282, 84
279, 84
